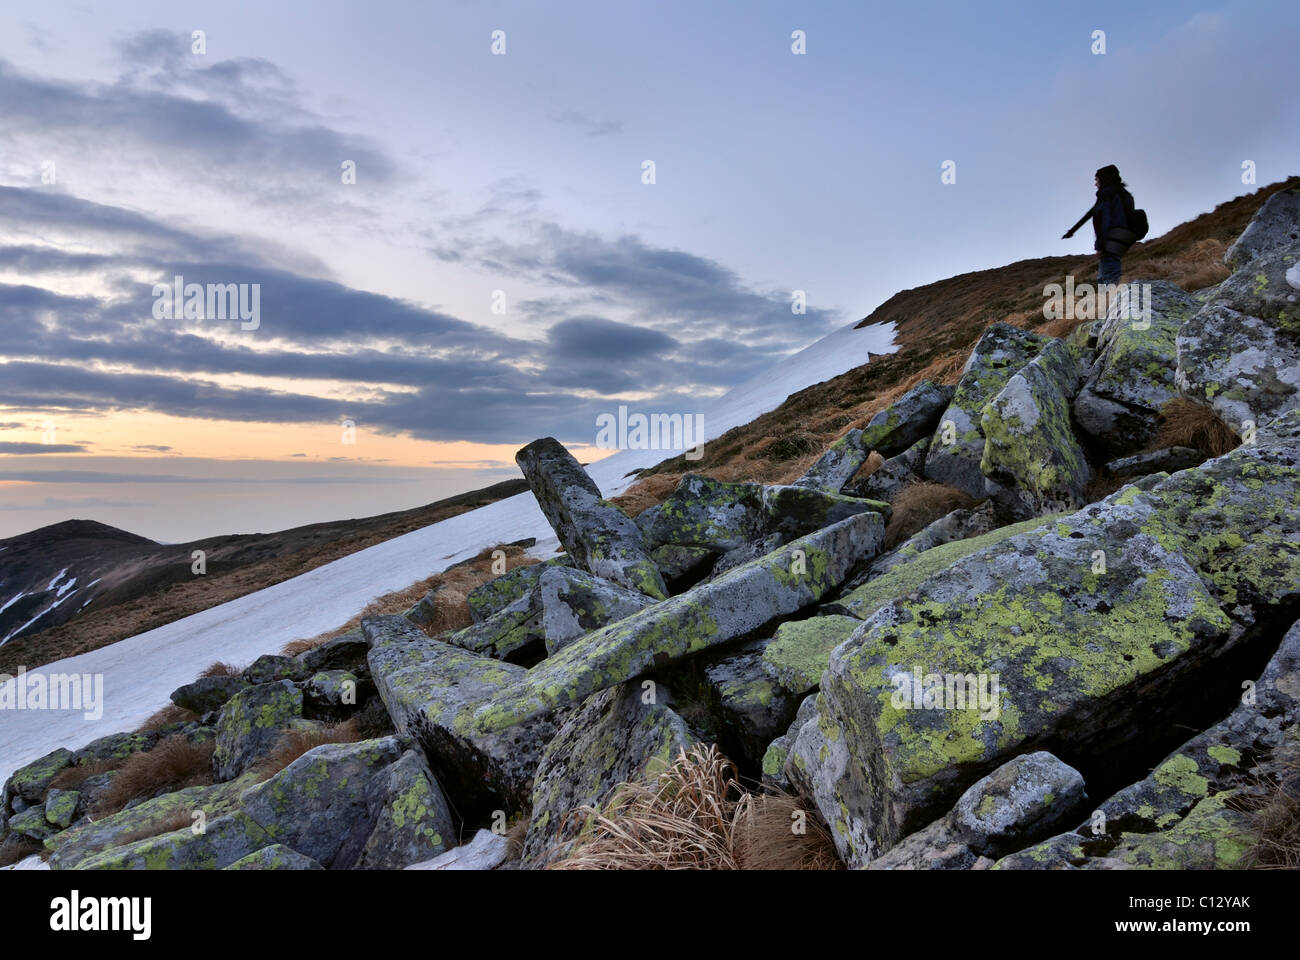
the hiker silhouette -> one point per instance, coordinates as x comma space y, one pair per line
1114, 222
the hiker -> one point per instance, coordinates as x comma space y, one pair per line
1113, 221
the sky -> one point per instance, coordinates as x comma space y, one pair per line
446, 212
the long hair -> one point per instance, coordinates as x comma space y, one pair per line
1108, 176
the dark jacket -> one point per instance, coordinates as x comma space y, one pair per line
1112, 204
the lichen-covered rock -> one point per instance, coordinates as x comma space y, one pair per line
91, 837
750, 699
31, 782
794, 511
893, 475
505, 634
800, 650
1275, 227
779, 749
431, 690
959, 524
270, 667
207, 693
574, 603
324, 804
1244, 368
1213, 836
1132, 377
221, 842
332, 688
502, 591
341, 653
1020, 802
275, 856
600, 537
414, 822
739, 556
703, 512
1072, 653
713, 613
250, 725
614, 737
61, 807
31, 823
118, 746
1082, 620
908, 419
957, 446
1031, 458
1166, 459
834, 468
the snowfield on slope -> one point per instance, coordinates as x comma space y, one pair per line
140, 672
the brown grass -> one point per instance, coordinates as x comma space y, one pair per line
168, 714
1275, 819
71, 778
18, 848
696, 816
647, 493
918, 505
173, 764
221, 669
452, 611
294, 743
1185, 423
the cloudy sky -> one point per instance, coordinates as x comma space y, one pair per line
500, 270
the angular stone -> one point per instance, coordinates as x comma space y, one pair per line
271, 667
800, 650
31, 823
893, 475
324, 804
342, 653
676, 561
959, 524
1275, 227
251, 724
431, 690
1166, 459
507, 633
713, 613
1029, 612
486, 851
834, 468
600, 537
795, 511
224, 840
574, 603
613, 737
414, 822
751, 700
703, 512
1030, 454
502, 591
957, 446
207, 693
907, 420
116, 746
778, 751
31, 782
61, 807
332, 688
275, 857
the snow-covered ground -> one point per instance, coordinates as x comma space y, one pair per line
140, 672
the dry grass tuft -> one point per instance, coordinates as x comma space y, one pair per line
1185, 423
644, 494
71, 778
18, 848
1275, 820
920, 504
696, 816
173, 764
294, 743
168, 714
221, 669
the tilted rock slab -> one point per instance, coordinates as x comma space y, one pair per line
893, 475
712, 613
1132, 377
431, 690
600, 537
1077, 651
1276, 226
251, 724
957, 446
703, 512
794, 511
1031, 457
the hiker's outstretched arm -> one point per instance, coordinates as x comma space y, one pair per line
1082, 220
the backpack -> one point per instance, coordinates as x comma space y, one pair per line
1119, 239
